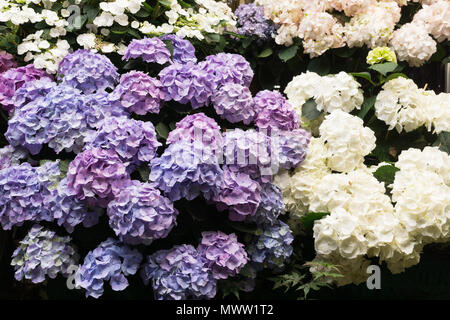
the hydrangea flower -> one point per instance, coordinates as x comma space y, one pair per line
88, 71
134, 141
6, 61
273, 112
228, 67
97, 176
234, 103
186, 83
224, 255
239, 194
273, 247
179, 274
183, 50
10, 156
100, 106
252, 22
270, 206
198, 128
42, 253
110, 261
32, 90
57, 120
291, 147
380, 55
148, 49
139, 93
186, 170
140, 214
15, 78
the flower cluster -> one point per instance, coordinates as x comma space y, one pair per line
148, 49
11, 156
234, 103
6, 61
251, 21
381, 54
111, 261
43, 253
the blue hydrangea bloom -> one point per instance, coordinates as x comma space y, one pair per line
42, 253
291, 147
148, 49
270, 207
99, 106
179, 274
234, 103
183, 50
252, 22
32, 90
111, 261
10, 156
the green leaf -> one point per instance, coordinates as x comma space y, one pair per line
395, 75
265, 53
165, 3
143, 13
162, 130
320, 65
144, 172
443, 141
309, 110
384, 68
246, 42
119, 30
364, 75
91, 13
439, 54
169, 46
386, 174
366, 106
214, 37
308, 220
64, 166
286, 54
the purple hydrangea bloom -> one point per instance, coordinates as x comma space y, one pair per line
239, 194
274, 112
252, 22
140, 214
42, 253
111, 261
183, 50
10, 156
99, 106
291, 147
15, 78
179, 274
87, 71
273, 247
32, 90
270, 207
234, 103
249, 152
134, 141
68, 211
228, 67
224, 255
186, 170
97, 176
198, 128
139, 93
6, 61
57, 119
23, 194
186, 83
148, 49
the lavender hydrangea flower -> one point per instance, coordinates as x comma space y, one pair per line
10, 156
186, 83
100, 106
179, 274
239, 194
252, 22
32, 90
6, 61
110, 261
148, 49
42, 253
234, 103
97, 176
140, 214
228, 67
134, 141
139, 93
183, 50
87, 71
270, 207
274, 112
198, 128
224, 255
291, 147
273, 247
57, 119
186, 170
248, 152
15, 78
23, 194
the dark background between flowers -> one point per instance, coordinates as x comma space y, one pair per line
274, 67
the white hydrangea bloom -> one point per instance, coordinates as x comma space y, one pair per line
413, 44
436, 18
402, 105
347, 140
86, 40
438, 112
